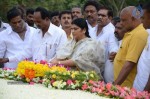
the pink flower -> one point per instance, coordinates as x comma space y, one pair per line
107, 93
112, 93
31, 83
52, 81
116, 93
108, 86
94, 89
5, 68
40, 81
91, 82
84, 87
69, 82
43, 62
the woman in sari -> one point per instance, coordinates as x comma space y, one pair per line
82, 52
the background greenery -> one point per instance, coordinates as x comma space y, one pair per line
59, 5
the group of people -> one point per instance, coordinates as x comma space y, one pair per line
117, 49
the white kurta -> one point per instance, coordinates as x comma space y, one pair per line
107, 38
143, 67
44, 47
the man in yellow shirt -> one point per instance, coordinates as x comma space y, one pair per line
134, 41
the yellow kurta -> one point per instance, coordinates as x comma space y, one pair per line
130, 50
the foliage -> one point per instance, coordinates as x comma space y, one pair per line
59, 5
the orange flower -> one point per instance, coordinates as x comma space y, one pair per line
29, 73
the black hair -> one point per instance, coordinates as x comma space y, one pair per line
93, 3
116, 20
110, 12
80, 22
43, 11
77, 7
14, 12
65, 12
30, 11
54, 13
146, 6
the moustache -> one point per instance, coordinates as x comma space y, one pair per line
89, 17
66, 22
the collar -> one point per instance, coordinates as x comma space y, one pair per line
50, 29
135, 29
2, 26
89, 25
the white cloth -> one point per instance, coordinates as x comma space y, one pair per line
44, 47
143, 67
107, 38
108, 72
91, 30
11, 45
4, 26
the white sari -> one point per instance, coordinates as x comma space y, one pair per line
87, 54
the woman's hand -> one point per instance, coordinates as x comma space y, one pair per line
54, 61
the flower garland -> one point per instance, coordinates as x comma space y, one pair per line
68, 79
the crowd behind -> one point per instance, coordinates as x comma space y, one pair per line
116, 48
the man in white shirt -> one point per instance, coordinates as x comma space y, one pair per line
54, 17
105, 34
15, 39
76, 12
66, 20
90, 9
3, 26
142, 79
48, 39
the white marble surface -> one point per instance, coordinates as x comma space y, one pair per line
38, 91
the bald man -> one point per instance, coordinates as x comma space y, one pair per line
134, 41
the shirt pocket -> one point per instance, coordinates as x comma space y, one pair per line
121, 54
51, 49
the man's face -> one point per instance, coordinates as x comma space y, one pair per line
103, 17
40, 23
55, 20
146, 19
29, 19
17, 24
76, 13
119, 33
91, 14
66, 20
126, 21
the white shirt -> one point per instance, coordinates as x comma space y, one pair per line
107, 37
4, 26
11, 45
44, 48
92, 30
143, 67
